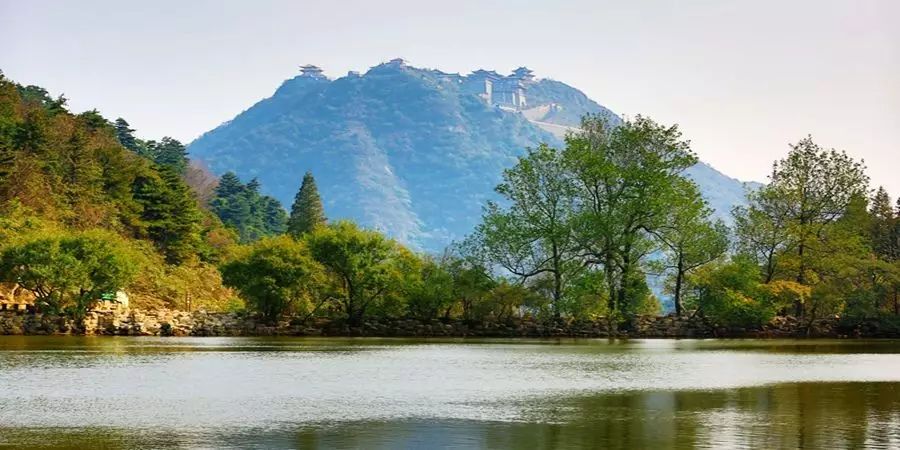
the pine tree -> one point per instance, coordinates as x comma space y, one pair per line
884, 226
307, 211
170, 213
125, 134
241, 207
172, 153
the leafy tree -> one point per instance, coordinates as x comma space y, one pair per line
762, 230
730, 294
307, 211
627, 178
69, 272
275, 275
472, 281
885, 226
789, 221
430, 290
817, 186
364, 264
533, 236
690, 238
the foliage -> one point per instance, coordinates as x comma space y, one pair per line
430, 292
533, 236
69, 272
275, 275
307, 211
729, 294
62, 173
690, 239
628, 179
364, 264
242, 207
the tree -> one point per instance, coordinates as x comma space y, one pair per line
306, 212
429, 289
761, 229
816, 187
170, 215
275, 275
885, 226
168, 152
125, 135
364, 264
533, 236
627, 178
788, 222
730, 294
691, 239
69, 272
472, 281
243, 208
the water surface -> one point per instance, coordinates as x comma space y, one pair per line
123, 392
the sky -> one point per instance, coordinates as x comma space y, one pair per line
743, 79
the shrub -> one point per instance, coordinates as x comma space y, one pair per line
69, 272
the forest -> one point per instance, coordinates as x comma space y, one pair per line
88, 209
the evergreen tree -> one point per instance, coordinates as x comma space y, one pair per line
241, 207
884, 226
125, 134
307, 211
170, 152
170, 213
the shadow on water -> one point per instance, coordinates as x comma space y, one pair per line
797, 415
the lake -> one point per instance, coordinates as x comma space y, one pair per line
135, 392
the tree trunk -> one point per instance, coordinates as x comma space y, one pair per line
679, 277
557, 293
801, 278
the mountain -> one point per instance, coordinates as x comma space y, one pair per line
413, 152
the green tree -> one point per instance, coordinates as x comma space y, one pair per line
69, 272
762, 230
125, 135
276, 276
885, 226
627, 178
429, 290
244, 209
788, 222
167, 152
472, 281
533, 236
817, 186
691, 239
170, 215
363, 263
307, 212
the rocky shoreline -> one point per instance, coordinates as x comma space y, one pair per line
165, 322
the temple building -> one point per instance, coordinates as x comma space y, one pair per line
311, 71
498, 90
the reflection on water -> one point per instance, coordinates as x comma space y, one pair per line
368, 393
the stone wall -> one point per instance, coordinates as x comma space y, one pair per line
164, 322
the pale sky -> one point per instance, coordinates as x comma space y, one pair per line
741, 78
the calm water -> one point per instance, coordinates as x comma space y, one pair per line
67, 392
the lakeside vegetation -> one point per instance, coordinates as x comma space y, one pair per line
86, 209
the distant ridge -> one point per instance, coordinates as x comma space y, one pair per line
410, 151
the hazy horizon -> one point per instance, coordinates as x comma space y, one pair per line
742, 79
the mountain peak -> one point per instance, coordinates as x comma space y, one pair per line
411, 151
